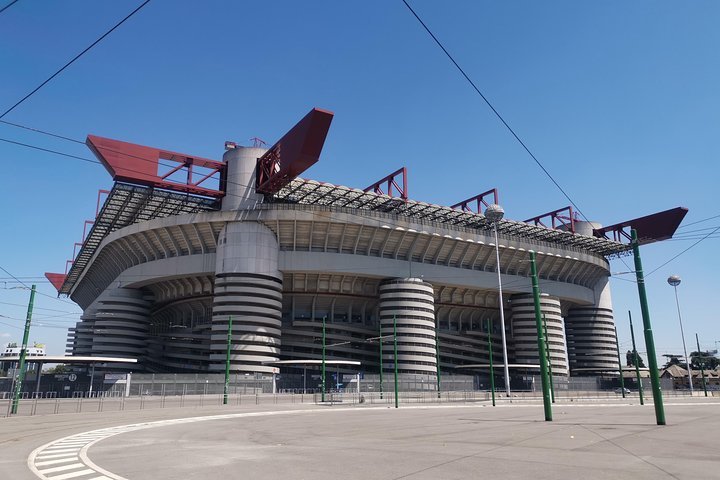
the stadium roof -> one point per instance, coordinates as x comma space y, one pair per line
129, 204
311, 192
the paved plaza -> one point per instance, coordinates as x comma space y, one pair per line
589, 440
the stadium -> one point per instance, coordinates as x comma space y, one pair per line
183, 245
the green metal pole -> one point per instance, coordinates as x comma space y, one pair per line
396, 362
437, 355
637, 361
322, 374
542, 355
492, 371
620, 370
702, 368
227, 362
23, 354
381, 363
647, 328
547, 349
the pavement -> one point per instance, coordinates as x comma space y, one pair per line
608, 438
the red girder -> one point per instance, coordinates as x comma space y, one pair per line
56, 279
479, 201
557, 219
650, 228
98, 204
138, 164
390, 183
295, 152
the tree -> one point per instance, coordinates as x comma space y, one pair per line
673, 360
704, 359
631, 359
57, 369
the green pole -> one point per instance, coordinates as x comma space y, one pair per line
637, 361
647, 328
492, 371
396, 362
542, 355
547, 349
322, 374
437, 355
23, 353
702, 369
227, 362
622, 379
381, 363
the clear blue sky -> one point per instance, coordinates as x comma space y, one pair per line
619, 100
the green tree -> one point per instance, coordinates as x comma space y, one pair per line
57, 369
704, 359
673, 360
631, 359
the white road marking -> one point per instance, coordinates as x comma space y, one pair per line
37, 460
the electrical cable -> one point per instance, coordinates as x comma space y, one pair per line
43, 132
497, 114
36, 291
8, 5
699, 221
688, 248
73, 60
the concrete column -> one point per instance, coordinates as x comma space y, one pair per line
524, 331
115, 325
248, 287
241, 171
411, 302
591, 334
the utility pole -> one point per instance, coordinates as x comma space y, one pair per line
396, 360
23, 353
322, 374
620, 369
647, 328
437, 354
542, 355
701, 362
381, 362
637, 361
492, 372
227, 362
549, 363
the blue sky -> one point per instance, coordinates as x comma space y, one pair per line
619, 100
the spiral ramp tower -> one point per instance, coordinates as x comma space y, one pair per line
524, 331
408, 303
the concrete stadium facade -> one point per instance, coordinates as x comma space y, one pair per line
162, 290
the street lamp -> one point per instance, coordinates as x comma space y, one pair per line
674, 280
494, 213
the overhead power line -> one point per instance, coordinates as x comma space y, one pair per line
73, 60
688, 248
8, 5
497, 114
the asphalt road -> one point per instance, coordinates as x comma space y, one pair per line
587, 441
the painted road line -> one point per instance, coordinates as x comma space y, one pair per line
92, 437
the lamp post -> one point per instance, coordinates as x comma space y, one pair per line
647, 329
226, 388
675, 280
637, 362
494, 213
322, 374
702, 366
542, 355
23, 353
492, 372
